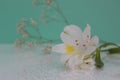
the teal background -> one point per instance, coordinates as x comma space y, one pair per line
102, 15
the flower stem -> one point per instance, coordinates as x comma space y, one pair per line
61, 13
99, 63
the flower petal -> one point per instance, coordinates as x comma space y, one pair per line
60, 48
64, 58
67, 39
95, 40
88, 64
74, 61
73, 31
90, 49
86, 33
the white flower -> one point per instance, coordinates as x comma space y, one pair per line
88, 64
76, 45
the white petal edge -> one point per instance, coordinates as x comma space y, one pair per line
73, 31
87, 32
64, 58
95, 40
90, 49
73, 61
60, 48
67, 39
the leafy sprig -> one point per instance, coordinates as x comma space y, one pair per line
115, 50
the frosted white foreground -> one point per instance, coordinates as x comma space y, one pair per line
33, 64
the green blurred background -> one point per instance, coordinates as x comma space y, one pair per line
102, 15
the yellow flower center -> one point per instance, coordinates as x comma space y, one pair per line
69, 49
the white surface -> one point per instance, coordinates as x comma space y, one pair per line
35, 65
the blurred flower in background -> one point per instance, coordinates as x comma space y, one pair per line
50, 12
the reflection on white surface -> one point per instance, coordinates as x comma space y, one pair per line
34, 65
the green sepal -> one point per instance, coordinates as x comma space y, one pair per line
114, 50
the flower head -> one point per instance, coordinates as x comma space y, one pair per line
76, 44
48, 2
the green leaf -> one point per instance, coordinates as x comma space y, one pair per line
98, 61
